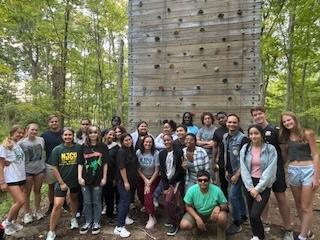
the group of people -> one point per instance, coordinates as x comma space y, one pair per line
202, 174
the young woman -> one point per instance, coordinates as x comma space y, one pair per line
187, 120
119, 130
92, 175
115, 121
13, 176
126, 183
194, 159
258, 164
33, 148
148, 170
110, 189
81, 133
205, 134
179, 143
300, 149
139, 134
172, 179
64, 159
169, 127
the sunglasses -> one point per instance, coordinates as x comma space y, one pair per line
203, 180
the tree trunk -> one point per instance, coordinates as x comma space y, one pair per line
120, 80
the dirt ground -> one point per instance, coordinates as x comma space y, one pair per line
38, 230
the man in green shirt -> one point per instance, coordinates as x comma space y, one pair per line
205, 202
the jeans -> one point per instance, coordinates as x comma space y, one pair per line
255, 210
109, 193
92, 205
237, 201
147, 199
124, 204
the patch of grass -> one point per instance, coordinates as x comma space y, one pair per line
6, 200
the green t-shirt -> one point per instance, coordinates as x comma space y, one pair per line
204, 203
66, 160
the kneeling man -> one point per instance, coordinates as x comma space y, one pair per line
205, 202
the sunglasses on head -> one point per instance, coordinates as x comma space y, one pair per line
203, 180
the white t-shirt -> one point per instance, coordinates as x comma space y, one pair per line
15, 171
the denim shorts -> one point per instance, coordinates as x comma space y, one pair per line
300, 175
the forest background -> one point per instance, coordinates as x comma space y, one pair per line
70, 57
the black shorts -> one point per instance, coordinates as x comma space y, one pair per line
20, 183
59, 193
280, 184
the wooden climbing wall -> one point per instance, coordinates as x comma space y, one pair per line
192, 55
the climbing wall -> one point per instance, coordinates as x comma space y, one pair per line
192, 55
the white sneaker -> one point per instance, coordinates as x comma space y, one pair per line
9, 228
38, 215
51, 235
104, 210
143, 209
27, 218
288, 235
122, 232
129, 221
155, 203
255, 238
151, 222
74, 223
18, 227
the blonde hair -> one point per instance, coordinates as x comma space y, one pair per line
297, 130
8, 142
26, 135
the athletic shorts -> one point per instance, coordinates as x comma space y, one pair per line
59, 193
35, 174
300, 175
20, 183
191, 220
280, 184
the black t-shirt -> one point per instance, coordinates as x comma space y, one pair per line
51, 140
127, 159
112, 163
271, 136
218, 137
178, 146
93, 158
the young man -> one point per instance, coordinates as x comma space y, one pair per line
218, 152
271, 135
205, 202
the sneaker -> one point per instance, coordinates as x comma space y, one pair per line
244, 220
255, 238
168, 224
9, 228
288, 235
66, 207
48, 212
96, 228
74, 223
122, 232
310, 235
27, 218
233, 229
38, 215
78, 215
85, 228
155, 203
151, 222
18, 227
143, 209
266, 227
51, 235
172, 230
129, 221
104, 210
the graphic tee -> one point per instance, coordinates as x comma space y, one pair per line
66, 160
93, 158
148, 162
35, 155
15, 171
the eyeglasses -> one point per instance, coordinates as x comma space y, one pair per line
203, 180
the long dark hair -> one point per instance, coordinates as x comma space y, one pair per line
123, 136
260, 129
79, 132
191, 119
153, 148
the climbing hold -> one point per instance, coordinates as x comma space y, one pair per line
158, 104
171, 66
204, 65
239, 12
161, 88
176, 32
184, 53
147, 35
159, 17
193, 105
220, 15
181, 98
225, 80
138, 104
235, 63
159, 50
180, 20
156, 66
202, 29
228, 46
200, 12
216, 52
224, 39
169, 10
216, 69
140, 4
198, 87
229, 98
168, 54
157, 39
173, 88
238, 87
201, 49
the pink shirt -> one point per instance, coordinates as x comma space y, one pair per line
256, 163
